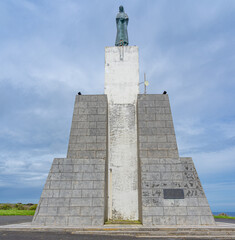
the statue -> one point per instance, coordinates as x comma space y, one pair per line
122, 22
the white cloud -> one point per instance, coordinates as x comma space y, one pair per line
216, 162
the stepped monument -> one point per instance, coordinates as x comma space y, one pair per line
122, 163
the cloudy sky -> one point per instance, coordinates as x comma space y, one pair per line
50, 50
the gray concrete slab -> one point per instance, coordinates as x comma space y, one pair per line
6, 220
221, 220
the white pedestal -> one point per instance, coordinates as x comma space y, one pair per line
122, 87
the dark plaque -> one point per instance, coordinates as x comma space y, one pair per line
173, 193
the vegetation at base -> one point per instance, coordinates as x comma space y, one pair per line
123, 222
9, 209
15, 212
223, 215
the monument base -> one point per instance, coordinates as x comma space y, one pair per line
76, 190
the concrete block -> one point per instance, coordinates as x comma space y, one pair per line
66, 168
192, 202
97, 118
157, 139
143, 153
153, 211
98, 202
102, 110
97, 193
147, 220
100, 154
169, 202
86, 139
171, 138
143, 139
80, 118
57, 202
97, 132
162, 104
157, 153
97, 221
65, 193
151, 176
43, 201
45, 210
166, 146
175, 211
177, 176
164, 220
101, 139
203, 202
85, 154
71, 176
92, 211
99, 168
99, 184
148, 146
84, 168
142, 124
93, 176
146, 117
207, 220
188, 220
163, 117
177, 167
197, 211
81, 202
156, 124
142, 104
76, 185
167, 110
173, 154
101, 125
158, 110
79, 221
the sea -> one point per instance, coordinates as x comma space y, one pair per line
231, 214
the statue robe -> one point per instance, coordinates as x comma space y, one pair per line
122, 35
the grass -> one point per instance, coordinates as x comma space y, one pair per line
122, 222
15, 211
225, 217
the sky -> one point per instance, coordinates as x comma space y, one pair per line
50, 50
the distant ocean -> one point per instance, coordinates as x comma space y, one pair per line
231, 214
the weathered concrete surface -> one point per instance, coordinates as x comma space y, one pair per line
161, 168
122, 87
74, 193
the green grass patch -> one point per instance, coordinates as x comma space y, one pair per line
15, 211
122, 222
225, 217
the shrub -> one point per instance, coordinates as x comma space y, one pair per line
223, 214
33, 207
6, 206
20, 207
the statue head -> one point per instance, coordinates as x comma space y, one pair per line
121, 9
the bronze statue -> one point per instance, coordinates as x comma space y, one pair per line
122, 22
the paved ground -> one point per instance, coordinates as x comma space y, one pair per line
32, 235
4, 220
225, 220
68, 236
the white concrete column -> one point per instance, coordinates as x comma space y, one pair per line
122, 87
